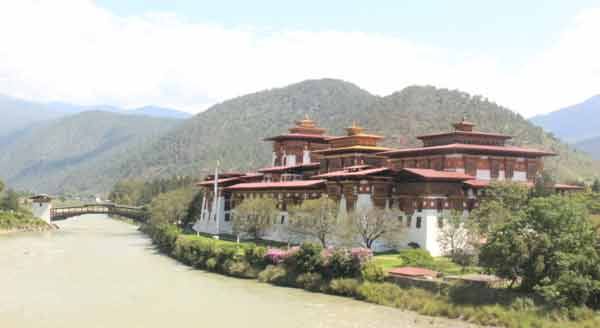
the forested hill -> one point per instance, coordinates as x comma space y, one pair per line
69, 154
590, 146
232, 131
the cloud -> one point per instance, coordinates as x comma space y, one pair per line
75, 51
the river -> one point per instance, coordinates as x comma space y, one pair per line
98, 272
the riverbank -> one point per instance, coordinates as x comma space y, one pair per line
310, 272
14, 222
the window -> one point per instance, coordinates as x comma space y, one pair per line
227, 217
440, 222
282, 219
509, 170
495, 169
400, 219
419, 222
409, 222
471, 166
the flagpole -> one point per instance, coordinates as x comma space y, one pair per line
216, 202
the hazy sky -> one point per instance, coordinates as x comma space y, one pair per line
531, 56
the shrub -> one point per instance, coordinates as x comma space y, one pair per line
338, 263
416, 257
311, 281
211, 264
275, 256
255, 255
373, 273
306, 259
274, 274
239, 268
344, 287
380, 293
523, 304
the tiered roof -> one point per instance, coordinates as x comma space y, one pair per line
297, 184
356, 141
305, 129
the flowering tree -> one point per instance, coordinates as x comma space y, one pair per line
254, 216
371, 225
315, 218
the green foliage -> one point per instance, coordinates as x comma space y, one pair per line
372, 272
311, 281
344, 287
79, 153
254, 216
139, 193
20, 220
596, 186
276, 275
550, 247
416, 257
544, 184
306, 259
171, 207
1, 186
340, 263
9, 201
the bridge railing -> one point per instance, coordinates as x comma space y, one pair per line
136, 213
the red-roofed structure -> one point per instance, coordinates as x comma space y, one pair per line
447, 173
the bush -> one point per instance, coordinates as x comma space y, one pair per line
255, 255
416, 257
310, 281
306, 259
344, 287
380, 293
274, 274
338, 263
373, 273
211, 264
239, 268
522, 304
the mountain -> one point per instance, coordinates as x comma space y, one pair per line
590, 146
161, 112
67, 154
232, 131
19, 115
574, 123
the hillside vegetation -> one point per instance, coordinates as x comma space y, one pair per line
68, 154
232, 131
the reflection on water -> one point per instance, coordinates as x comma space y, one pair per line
97, 272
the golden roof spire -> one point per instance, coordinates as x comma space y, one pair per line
354, 129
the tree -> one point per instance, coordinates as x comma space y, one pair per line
315, 218
371, 225
171, 207
456, 236
595, 186
1, 185
194, 210
501, 202
545, 246
254, 216
10, 201
544, 184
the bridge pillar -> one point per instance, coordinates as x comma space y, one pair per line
41, 206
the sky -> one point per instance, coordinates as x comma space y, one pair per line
530, 56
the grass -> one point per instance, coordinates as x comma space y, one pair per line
230, 240
391, 260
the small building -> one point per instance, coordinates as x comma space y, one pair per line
448, 172
40, 206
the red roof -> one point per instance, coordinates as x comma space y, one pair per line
485, 183
413, 272
430, 174
211, 182
470, 133
301, 136
276, 185
349, 173
285, 168
457, 147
